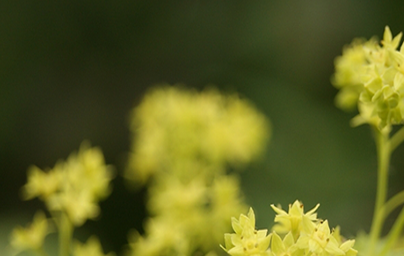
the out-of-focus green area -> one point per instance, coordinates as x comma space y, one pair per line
73, 70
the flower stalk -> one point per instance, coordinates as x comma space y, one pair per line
65, 235
384, 154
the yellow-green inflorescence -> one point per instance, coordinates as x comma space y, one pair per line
371, 77
71, 191
31, 237
295, 234
179, 130
183, 143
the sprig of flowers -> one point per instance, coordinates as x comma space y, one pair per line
71, 191
303, 235
371, 76
189, 131
183, 141
32, 237
246, 240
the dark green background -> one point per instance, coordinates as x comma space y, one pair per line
72, 70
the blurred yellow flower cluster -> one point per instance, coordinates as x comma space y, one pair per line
372, 76
295, 234
31, 237
183, 141
70, 191
74, 186
180, 129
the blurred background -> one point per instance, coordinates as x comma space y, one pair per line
72, 70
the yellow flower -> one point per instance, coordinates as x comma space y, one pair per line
349, 70
238, 135
247, 240
371, 76
285, 247
226, 200
207, 128
31, 237
345, 245
87, 171
91, 248
162, 238
388, 41
78, 205
304, 235
317, 239
74, 186
42, 184
180, 200
291, 221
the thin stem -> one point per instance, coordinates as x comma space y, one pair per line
383, 157
65, 235
397, 139
393, 203
394, 233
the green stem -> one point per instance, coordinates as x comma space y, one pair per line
383, 157
394, 233
393, 203
65, 235
397, 139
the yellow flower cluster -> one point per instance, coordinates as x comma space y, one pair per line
372, 76
247, 240
183, 140
303, 235
70, 191
174, 129
74, 186
31, 237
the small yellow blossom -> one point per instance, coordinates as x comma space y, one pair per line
247, 240
226, 200
344, 245
86, 171
193, 206
317, 239
349, 69
388, 41
285, 247
79, 206
163, 237
32, 237
42, 184
91, 248
239, 135
73, 186
180, 203
291, 221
